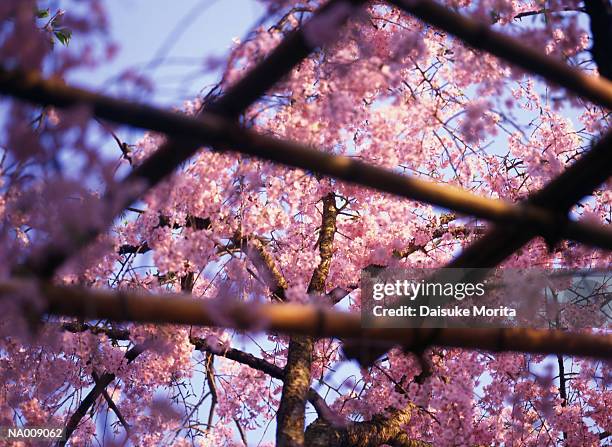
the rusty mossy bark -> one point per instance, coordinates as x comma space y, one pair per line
381, 429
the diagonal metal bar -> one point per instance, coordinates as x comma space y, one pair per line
223, 134
289, 53
480, 36
311, 320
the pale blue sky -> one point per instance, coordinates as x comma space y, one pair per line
186, 32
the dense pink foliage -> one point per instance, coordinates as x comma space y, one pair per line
390, 91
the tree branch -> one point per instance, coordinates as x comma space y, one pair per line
259, 364
600, 13
100, 386
102, 382
210, 380
256, 252
292, 409
112, 333
381, 429
548, 11
194, 222
111, 404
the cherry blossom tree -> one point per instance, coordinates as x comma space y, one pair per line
378, 82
